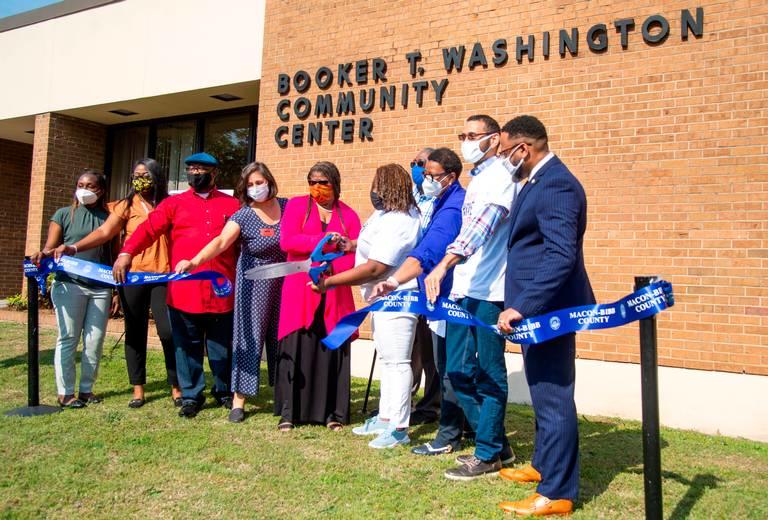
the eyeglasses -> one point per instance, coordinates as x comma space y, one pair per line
438, 176
472, 136
321, 183
418, 162
198, 168
502, 154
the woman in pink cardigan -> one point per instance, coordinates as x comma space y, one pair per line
312, 383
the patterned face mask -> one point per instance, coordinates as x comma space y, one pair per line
141, 184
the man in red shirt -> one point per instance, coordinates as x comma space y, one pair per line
200, 320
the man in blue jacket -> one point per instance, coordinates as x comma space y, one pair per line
546, 273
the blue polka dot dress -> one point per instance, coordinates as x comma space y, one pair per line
257, 302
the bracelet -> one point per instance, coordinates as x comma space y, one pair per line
125, 254
393, 281
73, 246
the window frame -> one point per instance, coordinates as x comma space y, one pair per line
198, 117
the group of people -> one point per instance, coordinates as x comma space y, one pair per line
507, 247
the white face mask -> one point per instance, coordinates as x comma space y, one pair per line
431, 188
471, 149
513, 169
259, 193
86, 197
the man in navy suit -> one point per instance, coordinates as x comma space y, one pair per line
545, 272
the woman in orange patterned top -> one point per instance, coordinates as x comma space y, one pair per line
148, 187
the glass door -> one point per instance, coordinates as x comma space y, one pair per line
175, 141
130, 145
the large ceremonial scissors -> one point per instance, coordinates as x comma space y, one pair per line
265, 272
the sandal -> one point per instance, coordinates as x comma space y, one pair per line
335, 426
285, 426
89, 398
72, 403
177, 402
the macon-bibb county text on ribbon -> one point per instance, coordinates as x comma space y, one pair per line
642, 303
101, 273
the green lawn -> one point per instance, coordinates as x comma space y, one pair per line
109, 461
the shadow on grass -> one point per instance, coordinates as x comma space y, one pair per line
46, 358
697, 487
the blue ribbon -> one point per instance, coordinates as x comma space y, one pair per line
222, 287
643, 303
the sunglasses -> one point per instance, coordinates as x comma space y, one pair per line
418, 162
322, 183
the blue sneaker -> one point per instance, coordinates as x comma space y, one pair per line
372, 426
390, 438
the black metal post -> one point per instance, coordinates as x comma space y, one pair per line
368, 389
33, 358
650, 398
33, 344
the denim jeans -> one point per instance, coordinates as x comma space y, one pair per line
193, 335
393, 336
451, 415
476, 367
80, 312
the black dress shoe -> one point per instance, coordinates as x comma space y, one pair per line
136, 403
237, 415
423, 417
189, 409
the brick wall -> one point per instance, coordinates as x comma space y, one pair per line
15, 167
63, 146
669, 141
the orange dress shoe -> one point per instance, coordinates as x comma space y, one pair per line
538, 505
525, 474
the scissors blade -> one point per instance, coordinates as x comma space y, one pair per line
265, 272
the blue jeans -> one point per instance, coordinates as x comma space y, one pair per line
475, 365
193, 335
451, 415
81, 311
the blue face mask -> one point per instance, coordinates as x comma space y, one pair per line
417, 172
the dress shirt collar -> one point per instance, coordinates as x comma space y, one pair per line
540, 165
474, 172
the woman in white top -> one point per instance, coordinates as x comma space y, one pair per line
384, 243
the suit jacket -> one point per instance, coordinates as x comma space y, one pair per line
545, 264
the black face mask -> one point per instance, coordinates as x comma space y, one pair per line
377, 201
200, 183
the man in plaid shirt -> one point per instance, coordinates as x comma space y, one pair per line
475, 358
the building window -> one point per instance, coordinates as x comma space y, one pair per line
174, 142
228, 136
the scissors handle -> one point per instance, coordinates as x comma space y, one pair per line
325, 259
318, 255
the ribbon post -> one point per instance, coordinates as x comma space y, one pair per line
33, 407
650, 405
